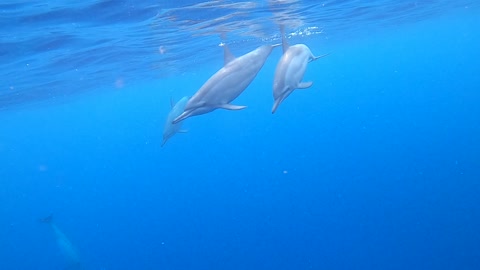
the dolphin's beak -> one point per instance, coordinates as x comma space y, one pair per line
276, 103
181, 117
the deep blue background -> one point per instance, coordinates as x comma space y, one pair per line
377, 166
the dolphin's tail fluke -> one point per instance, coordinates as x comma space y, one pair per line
48, 219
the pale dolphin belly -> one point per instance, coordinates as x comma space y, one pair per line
297, 67
232, 81
290, 71
227, 83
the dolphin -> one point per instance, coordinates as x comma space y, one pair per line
228, 83
68, 250
290, 70
171, 129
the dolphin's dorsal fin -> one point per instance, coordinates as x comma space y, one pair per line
284, 39
172, 103
227, 55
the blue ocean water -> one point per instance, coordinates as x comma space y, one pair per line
376, 166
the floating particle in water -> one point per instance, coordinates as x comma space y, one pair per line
119, 83
162, 50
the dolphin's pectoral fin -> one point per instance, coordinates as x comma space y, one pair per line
316, 57
231, 107
227, 55
304, 85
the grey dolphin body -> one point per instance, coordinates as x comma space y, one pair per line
290, 70
68, 250
171, 129
228, 83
